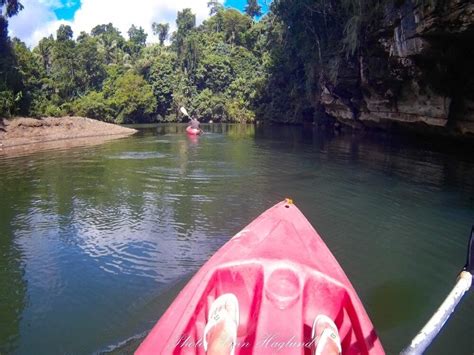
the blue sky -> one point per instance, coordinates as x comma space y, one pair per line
41, 18
67, 12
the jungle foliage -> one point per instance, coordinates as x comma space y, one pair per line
212, 69
229, 68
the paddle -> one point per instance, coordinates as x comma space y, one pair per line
431, 329
184, 112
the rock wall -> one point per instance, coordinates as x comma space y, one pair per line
417, 71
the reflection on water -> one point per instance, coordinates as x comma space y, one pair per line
92, 237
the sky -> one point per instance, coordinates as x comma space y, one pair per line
40, 18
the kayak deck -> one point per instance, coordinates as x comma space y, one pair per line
283, 276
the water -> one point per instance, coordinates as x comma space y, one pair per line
95, 241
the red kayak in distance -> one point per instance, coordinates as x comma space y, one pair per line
283, 276
193, 131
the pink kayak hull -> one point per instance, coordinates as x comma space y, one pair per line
192, 131
283, 276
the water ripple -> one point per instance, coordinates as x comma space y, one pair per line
138, 155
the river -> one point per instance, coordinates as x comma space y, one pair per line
95, 240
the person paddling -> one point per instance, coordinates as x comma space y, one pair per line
194, 123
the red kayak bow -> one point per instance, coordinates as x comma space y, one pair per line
283, 276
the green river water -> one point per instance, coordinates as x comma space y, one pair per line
94, 241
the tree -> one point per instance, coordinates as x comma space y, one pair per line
183, 91
137, 35
186, 21
44, 51
185, 47
215, 11
161, 30
9, 8
162, 76
214, 73
31, 74
64, 64
10, 81
214, 7
253, 9
94, 105
111, 43
190, 53
235, 25
64, 33
3, 34
90, 63
108, 31
133, 98
209, 106
137, 39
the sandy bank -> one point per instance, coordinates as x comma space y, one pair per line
29, 134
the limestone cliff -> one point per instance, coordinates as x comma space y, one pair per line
417, 70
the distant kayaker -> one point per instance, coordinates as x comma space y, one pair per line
220, 333
194, 123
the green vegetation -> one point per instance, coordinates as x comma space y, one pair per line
212, 69
253, 8
230, 68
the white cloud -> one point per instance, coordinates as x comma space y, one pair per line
29, 23
38, 19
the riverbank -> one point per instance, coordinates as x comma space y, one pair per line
24, 134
